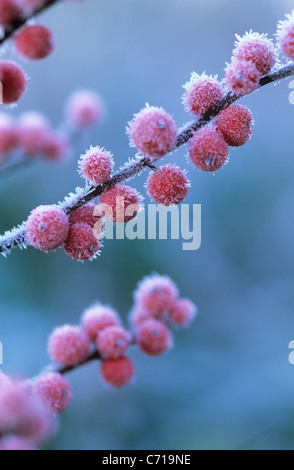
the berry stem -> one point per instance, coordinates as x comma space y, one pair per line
16, 237
95, 356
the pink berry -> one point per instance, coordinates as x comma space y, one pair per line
69, 345
236, 124
34, 42
33, 128
183, 312
81, 243
153, 132
156, 295
47, 228
14, 82
113, 342
4, 380
124, 203
154, 338
97, 318
84, 215
117, 372
202, 92
286, 35
54, 390
168, 185
84, 108
138, 315
242, 77
208, 150
257, 49
96, 165
55, 146
8, 135
10, 10
13, 442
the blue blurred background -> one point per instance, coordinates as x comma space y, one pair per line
227, 384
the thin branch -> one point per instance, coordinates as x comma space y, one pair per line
16, 237
95, 356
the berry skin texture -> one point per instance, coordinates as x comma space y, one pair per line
156, 295
154, 338
9, 11
69, 345
8, 135
242, 77
81, 244
286, 36
117, 372
119, 198
168, 185
153, 132
34, 42
96, 165
258, 49
54, 390
97, 318
202, 92
113, 342
14, 81
208, 150
183, 312
84, 109
84, 215
12, 442
236, 124
47, 228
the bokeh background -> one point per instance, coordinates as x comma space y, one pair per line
227, 384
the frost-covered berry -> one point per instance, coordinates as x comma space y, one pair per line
98, 317
117, 372
113, 342
156, 295
242, 77
153, 132
286, 35
84, 108
9, 11
47, 228
96, 165
69, 345
183, 312
14, 442
124, 203
8, 135
34, 42
84, 215
257, 49
137, 316
81, 243
33, 127
208, 150
54, 390
14, 81
168, 185
202, 92
55, 146
236, 124
153, 337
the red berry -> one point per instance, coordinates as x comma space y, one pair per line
168, 185
208, 149
153, 132
202, 93
97, 318
81, 243
8, 135
117, 372
9, 11
96, 165
156, 294
84, 108
14, 82
113, 342
119, 198
84, 215
69, 345
33, 128
55, 146
154, 338
258, 49
47, 228
242, 77
236, 124
286, 35
54, 390
183, 312
34, 42
138, 315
